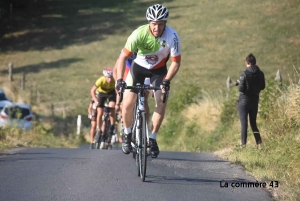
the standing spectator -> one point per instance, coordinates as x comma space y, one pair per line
251, 82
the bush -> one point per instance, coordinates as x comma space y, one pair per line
268, 97
229, 110
2, 134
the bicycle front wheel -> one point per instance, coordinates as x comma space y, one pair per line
143, 148
134, 130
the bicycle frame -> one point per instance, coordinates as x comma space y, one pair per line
105, 137
138, 113
140, 130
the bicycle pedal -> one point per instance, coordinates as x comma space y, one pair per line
133, 150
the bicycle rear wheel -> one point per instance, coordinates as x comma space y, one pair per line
107, 140
98, 139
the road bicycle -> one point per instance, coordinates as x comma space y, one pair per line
140, 132
103, 140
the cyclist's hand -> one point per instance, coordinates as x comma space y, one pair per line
165, 86
95, 104
121, 85
90, 116
117, 107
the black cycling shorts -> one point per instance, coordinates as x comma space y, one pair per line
102, 97
138, 74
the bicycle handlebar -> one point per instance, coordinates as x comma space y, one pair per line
139, 87
148, 87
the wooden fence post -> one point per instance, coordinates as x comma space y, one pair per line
38, 96
278, 77
228, 83
78, 124
10, 71
23, 80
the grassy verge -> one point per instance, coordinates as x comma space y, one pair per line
279, 124
39, 136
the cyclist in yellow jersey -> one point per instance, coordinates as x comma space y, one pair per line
105, 85
156, 43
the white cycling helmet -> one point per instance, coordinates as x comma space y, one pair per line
157, 12
108, 72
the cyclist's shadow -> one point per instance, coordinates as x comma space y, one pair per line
186, 180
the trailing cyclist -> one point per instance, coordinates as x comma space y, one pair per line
156, 42
105, 85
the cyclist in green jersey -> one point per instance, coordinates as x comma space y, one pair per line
156, 43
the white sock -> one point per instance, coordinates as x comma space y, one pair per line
153, 135
127, 130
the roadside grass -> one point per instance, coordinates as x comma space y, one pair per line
278, 158
39, 136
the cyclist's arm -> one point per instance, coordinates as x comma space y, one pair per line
115, 70
173, 70
93, 94
90, 109
121, 64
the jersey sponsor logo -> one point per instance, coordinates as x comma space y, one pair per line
151, 59
146, 46
163, 44
175, 39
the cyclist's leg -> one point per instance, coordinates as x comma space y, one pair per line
93, 124
127, 114
159, 111
92, 134
112, 113
100, 110
160, 107
127, 109
134, 76
137, 74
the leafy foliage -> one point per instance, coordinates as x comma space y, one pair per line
229, 110
268, 98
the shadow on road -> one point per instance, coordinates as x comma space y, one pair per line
188, 181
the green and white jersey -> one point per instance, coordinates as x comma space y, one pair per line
153, 52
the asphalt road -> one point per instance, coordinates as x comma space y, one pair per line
83, 174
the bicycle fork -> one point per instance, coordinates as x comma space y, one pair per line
140, 116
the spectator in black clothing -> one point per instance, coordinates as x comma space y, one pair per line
251, 82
